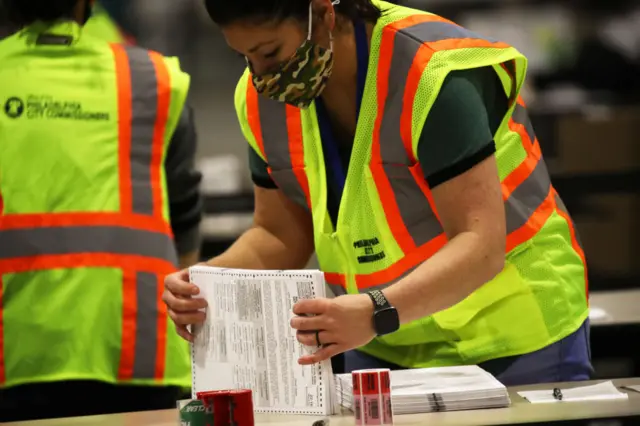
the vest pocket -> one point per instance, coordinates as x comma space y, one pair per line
422, 331
507, 283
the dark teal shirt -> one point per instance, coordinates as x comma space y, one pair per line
457, 135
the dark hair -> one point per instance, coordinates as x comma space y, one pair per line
25, 12
224, 12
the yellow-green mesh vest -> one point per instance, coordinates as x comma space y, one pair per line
85, 239
102, 26
387, 223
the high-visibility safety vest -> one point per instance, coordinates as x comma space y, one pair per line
85, 236
102, 26
388, 225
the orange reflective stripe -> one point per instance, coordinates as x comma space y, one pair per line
253, 114
400, 268
534, 223
123, 77
144, 328
390, 207
390, 275
1, 201
162, 317
420, 61
2, 367
524, 169
89, 260
406, 48
272, 123
143, 349
385, 190
296, 149
418, 175
128, 343
162, 116
52, 220
562, 211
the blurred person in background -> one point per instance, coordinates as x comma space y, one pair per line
396, 144
99, 200
101, 24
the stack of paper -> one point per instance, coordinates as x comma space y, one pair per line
246, 341
436, 389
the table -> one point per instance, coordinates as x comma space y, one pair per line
520, 412
615, 326
615, 307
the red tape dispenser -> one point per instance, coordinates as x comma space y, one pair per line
229, 407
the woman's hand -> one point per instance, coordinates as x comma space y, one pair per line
342, 324
183, 309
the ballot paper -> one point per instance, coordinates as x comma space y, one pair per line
247, 342
599, 392
427, 390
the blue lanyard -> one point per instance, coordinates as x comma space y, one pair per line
332, 156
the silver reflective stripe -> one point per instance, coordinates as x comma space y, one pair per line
85, 239
429, 32
418, 217
337, 290
521, 116
406, 44
275, 135
414, 207
288, 182
147, 314
144, 97
527, 197
273, 123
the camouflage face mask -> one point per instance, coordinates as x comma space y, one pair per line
302, 78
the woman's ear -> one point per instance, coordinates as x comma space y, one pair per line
324, 13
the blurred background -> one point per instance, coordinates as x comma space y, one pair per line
583, 93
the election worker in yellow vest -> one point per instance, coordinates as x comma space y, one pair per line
99, 201
101, 25
396, 144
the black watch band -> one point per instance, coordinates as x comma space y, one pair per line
385, 316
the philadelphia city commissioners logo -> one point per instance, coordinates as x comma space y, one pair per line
14, 107
47, 107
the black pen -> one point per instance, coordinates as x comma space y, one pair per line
557, 394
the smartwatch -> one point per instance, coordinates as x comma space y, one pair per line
385, 316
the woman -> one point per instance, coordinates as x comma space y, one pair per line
90, 224
396, 144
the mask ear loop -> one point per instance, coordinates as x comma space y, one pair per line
333, 3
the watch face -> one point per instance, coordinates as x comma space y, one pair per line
386, 321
